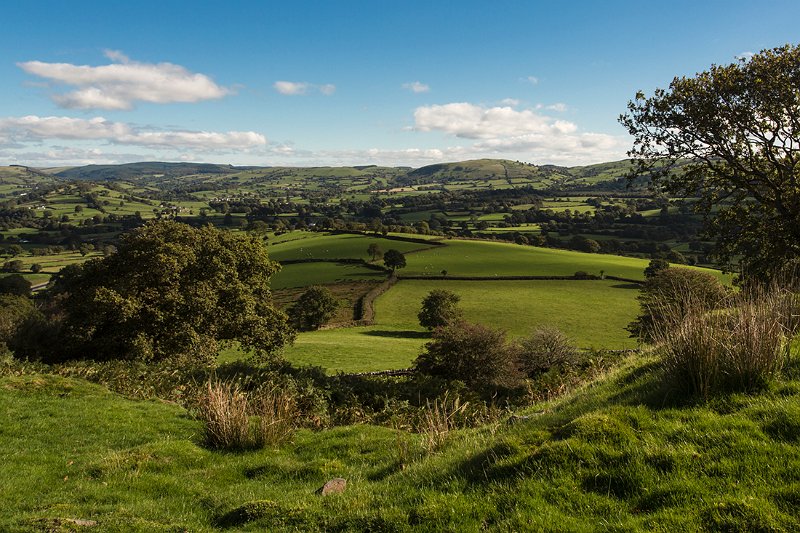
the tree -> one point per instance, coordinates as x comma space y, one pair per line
375, 250
14, 309
13, 266
314, 307
393, 259
439, 308
171, 291
730, 135
15, 284
670, 295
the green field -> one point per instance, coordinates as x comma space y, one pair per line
592, 313
488, 259
325, 246
305, 274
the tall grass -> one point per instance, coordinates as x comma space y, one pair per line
235, 420
277, 415
223, 410
439, 418
740, 347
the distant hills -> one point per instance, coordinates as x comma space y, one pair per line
461, 171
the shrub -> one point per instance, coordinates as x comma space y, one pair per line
15, 284
671, 294
439, 308
473, 353
545, 348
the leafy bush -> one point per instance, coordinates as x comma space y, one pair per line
473, 353
545, 348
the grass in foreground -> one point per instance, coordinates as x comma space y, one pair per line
623, 454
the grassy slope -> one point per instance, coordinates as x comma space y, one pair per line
618, 455
304, 274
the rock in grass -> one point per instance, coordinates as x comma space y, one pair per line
334, 486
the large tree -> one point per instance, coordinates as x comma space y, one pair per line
731, 135
172, 290
439, 308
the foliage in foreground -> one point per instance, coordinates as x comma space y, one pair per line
236, 420
669, 294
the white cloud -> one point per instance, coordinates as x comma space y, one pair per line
560, 107
745, 56
533, 80
34, 128
124, 82
291, 87
417, 87
520, 134
294, 88
471, 121
512, 102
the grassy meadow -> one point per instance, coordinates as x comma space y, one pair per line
625, 454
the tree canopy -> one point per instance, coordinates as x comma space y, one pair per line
314, 307
394, 259
172, 290
731, 135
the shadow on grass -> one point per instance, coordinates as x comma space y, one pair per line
399, 334
635, 286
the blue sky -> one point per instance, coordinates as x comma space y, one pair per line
351, 82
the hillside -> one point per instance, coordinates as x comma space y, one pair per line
511, 172
624, 453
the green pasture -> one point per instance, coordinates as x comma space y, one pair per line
305, 274
591, 313
357, 349
325, 246
489, 259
